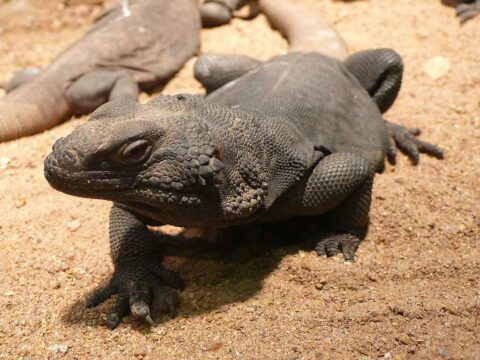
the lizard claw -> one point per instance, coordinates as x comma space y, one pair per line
332, 244
140, 285
408, 142
466, 12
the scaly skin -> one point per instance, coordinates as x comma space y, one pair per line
119, 55
300, 136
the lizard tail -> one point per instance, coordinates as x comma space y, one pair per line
33, 107
304, 31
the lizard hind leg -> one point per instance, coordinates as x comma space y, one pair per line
98, 87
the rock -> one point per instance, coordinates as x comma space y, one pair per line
319, 286
19, 203
213, 346
437, 67
9, 293
4, 161
251, 308
404, 339
58, 348
73, 225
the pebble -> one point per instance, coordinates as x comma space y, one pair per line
437, 67
251, 308
73, 225
19, 203
4, 161
404, 339
213, 346
319, 286
58, 348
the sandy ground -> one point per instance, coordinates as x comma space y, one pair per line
413, 293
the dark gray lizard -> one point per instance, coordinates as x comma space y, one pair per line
131, 47
298, 136
219, 12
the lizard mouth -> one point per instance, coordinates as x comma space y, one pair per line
112, 185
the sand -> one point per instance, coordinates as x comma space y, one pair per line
413, 292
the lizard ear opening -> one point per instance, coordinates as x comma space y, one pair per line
133, 153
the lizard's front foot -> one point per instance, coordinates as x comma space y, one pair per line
332, 244
408, 142
466, 12
140, 283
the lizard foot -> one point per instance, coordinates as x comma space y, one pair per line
466, 12
332, 244
408, 142
140, 284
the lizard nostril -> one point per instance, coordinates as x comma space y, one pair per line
70, 159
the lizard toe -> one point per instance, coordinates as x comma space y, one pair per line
332, 244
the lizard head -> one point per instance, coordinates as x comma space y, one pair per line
156, 155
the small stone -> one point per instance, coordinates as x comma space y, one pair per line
4, 161
213, 346
339, 308
58, 348
449, 309
9, 293
397, 309
443, 352
319, 286
55, 284
73, 225
20, 203
140, 352
437, 67
404, 339
388, 356
251, 308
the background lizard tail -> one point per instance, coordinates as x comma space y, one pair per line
36, 106
304, 30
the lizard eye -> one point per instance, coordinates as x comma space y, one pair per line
133, 153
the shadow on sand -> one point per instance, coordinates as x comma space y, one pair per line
217, 278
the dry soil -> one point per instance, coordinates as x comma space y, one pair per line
413, 292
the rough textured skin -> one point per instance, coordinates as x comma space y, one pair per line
124, 51
297, 137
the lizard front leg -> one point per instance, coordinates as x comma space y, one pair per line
340, 187
214, 70
380, 72
138, 278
